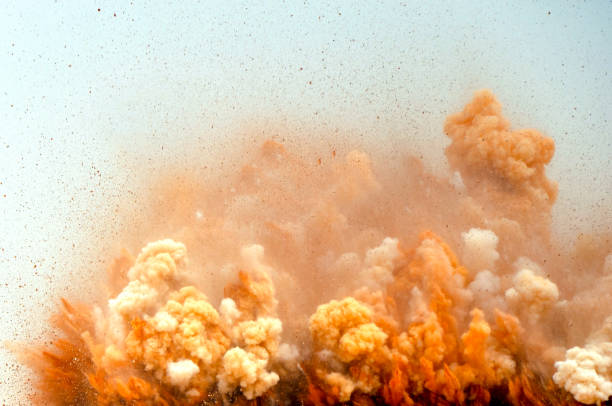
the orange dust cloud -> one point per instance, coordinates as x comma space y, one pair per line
320, 276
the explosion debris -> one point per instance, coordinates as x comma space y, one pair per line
373, 288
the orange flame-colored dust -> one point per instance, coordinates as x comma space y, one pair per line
348, 281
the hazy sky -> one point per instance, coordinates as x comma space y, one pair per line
83, 83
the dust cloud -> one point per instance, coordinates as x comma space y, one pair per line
310, 274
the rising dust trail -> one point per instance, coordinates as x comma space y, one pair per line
350, 280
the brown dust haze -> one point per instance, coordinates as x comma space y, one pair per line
318, 276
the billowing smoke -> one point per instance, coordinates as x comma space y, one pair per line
314, 276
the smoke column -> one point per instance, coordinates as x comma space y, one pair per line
304, 274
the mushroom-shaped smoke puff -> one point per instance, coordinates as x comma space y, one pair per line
379, 263
246, 370
586, 371
346, 329
255, 334
184, 334
479, 249
533, 293
482, 143
157, 263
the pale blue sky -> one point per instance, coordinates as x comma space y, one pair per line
79, 87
